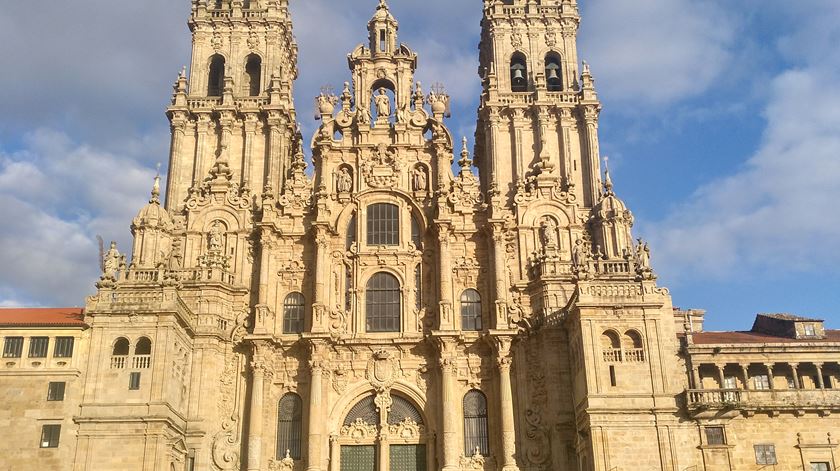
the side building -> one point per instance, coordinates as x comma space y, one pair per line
406, 303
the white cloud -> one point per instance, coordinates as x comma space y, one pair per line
656, 52
778, 211
56, 196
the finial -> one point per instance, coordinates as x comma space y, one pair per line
608, 184
382, 5
465, 162
586, 68
183, 72
156, 188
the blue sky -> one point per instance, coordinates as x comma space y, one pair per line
721, 120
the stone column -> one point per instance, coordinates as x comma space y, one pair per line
592, 155
275, 139
316, 421
746, 371
319, 306
504, 361
251, 120
255, 428
335, 453
721, 375
446, 316
499, 269
795, 369
449, 428
202, 128
695, 377
770, 376
820, 383
179, 130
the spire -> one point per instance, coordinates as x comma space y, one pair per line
156, 188
465, 161
608, 184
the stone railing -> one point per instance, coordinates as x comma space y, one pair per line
612, 355
569, 98
613, 267
118, 362
141, 362
634, 355
763, 398
187, 274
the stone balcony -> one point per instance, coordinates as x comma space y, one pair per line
718, 402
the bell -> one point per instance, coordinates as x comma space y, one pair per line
552, 72
517, 74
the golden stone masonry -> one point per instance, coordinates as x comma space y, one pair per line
390, 313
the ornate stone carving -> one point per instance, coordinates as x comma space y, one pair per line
337, 325
408, 429
359, 431
382, 371
113, 263
225, 447
286, 464
382, 169
476, 461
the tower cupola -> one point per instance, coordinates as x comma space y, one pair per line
383, 31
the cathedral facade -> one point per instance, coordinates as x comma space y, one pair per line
407, 303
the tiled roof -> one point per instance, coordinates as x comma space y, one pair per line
42, 317
723, 338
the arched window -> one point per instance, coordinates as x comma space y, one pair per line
143, 347
383, 224
634, 351
475, 424
216, 77
366, 410
553, 72
402, 409
142, 354
518, 73
611, 346
253, 75
383, 303
293, 308
121, 346
416, 235
351, 233
289, 413
470, 310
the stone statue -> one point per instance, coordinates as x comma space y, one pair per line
344, 181
383, 105
419, 180
215, 238
549, 234
111, 262
643, 255
580, 255
176, 255
363, 115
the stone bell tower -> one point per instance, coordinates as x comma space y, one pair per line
234, 113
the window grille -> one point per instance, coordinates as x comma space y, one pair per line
402, 409
715, 436
475, 424
293, 312
365, 410
55, 391
63, 347
289, 419
471, 310
38, 347
383, 224
13, 347
383, 303
50, 435
765, 454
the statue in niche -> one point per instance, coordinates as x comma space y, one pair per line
383, 105
548, 233
419, 180
111, 262
344, 181
215, 238
581, 255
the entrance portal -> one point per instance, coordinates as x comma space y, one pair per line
375, 440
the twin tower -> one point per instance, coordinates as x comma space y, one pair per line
394, 309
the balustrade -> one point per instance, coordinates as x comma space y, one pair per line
612, 355
118, 362
770, 398
634, 355
141, 362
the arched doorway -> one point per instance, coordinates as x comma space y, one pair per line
387, 438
